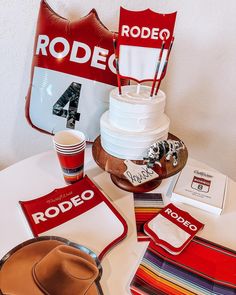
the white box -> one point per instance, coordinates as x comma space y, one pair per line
201, 188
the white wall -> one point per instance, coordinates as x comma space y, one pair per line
200, 83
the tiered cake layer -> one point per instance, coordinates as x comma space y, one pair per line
134, 111
132, 145
133, 123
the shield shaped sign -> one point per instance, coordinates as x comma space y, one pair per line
72, 73
141, 34
201, 184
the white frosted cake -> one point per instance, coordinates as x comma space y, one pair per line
134, 122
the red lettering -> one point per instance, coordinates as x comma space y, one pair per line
62, 207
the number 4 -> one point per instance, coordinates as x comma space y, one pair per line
71, 96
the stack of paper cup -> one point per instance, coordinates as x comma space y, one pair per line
70, 146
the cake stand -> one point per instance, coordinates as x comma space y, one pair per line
116, 167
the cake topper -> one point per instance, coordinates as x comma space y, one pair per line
165, 66
117, 62
143, 46
157, 67
167, 148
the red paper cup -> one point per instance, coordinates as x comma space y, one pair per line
70, 151
72, 166
70, 146
69, 139
70, 154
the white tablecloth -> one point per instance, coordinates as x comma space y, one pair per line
40, 174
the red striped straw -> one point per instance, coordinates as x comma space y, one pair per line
157, 68
165, 65
117, 63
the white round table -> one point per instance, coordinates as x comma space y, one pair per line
41, 174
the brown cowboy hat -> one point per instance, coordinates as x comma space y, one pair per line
52, 266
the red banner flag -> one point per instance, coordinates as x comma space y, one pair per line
141, 35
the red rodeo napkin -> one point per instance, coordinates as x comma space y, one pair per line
172, 229
79, 212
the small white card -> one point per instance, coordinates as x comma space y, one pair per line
138, 174
201, 188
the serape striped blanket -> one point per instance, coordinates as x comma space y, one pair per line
146, 207
202, 268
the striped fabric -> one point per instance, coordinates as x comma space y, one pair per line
146, 207
202, 268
